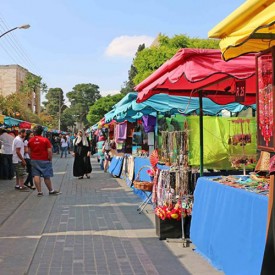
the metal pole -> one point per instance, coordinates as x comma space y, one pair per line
59, 113
201, 133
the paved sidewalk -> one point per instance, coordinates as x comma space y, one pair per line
92, 228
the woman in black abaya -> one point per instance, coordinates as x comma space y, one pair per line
82, 153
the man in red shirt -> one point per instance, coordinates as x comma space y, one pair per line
41, 160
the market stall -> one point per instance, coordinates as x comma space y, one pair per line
250, 28
189, 73
202, 73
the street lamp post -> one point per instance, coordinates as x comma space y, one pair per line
26, 26
20, 27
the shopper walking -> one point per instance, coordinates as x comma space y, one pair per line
29, 180
18, 160
64, 146
41, 161
82, 153
7, 172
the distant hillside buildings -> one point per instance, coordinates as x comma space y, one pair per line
11, 79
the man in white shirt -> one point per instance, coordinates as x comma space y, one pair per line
6, 164
19, 161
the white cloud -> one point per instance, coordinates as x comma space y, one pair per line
126, 46
110, 92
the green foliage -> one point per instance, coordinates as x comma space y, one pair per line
55, 99
32, 83
101, 107
82, 97
129, 84
13, 105
67, 119
150, 59
47, 120
2, 103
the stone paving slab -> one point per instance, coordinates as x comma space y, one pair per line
92, 228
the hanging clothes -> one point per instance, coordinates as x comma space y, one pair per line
121, 131
149, 123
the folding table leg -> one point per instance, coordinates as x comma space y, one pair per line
144, 203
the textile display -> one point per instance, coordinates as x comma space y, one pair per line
115, 166
128, 168
121, 131
149, 123
229, 227
217, 151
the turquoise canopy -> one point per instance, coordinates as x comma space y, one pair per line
128, 109
10, 121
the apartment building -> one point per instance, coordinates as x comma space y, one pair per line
11, 80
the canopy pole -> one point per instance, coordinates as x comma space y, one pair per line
156, 133
201, 133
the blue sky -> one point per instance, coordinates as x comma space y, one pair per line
94, 41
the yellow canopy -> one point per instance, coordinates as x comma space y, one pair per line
2, 119
250, 28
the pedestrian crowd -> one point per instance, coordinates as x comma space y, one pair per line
28, 157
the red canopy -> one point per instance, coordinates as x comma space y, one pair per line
191, 70
25, 125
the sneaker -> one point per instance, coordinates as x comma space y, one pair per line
23, 189
32, 187
17, 187
39, 194
55, 192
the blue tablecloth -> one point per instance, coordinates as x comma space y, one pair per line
115, 166
229, 227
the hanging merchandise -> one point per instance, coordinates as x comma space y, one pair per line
241, 136
174, 148
149, 123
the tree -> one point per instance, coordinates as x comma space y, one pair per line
82, 97
150, 59
13, 106
101, 107
47, 120
32, 85
129, 85
2, 103
67, 119
55, 100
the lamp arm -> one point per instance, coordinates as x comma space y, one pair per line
8, 31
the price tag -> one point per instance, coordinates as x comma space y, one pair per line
240, 91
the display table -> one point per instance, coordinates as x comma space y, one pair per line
229, 227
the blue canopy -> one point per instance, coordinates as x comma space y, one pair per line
10, 121
128, 109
